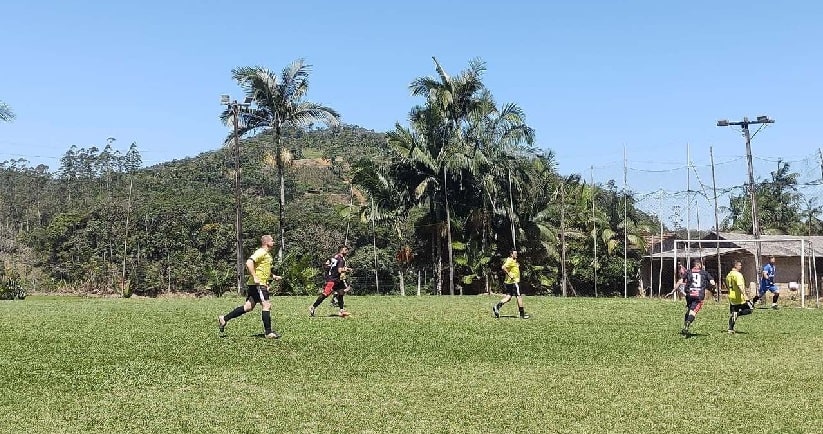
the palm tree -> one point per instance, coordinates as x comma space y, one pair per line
6, 115
499, 137
439, 127
278, 103
391, 203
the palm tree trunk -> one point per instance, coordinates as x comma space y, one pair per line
449, 235
282, 207
511, 209
437, 248
439, 267
564, 279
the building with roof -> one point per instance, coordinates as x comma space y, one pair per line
798, 259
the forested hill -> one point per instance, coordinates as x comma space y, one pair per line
102, 223
70, 229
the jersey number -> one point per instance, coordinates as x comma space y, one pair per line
696, 280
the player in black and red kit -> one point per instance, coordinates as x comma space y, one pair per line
696, 281
334, 281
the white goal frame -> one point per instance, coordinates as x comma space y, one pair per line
804, 243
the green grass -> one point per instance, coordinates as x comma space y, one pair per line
428, 365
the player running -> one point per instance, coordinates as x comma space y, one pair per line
696, 281
739, 304
512, 285
334, 281
767, 283
257, 290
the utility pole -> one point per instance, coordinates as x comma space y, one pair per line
625, 226
234, 107
594, 231
755, 223
716, 226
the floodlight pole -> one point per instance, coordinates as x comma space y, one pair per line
755, 222
235, 107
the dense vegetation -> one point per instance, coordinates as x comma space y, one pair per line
170, 226
435, 203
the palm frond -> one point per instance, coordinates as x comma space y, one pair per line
6, 114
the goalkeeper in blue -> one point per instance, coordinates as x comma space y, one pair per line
767, 284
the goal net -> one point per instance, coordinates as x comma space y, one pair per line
797, 263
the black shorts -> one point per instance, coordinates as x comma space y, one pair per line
741, 309
257, 293
512, 289
694, 303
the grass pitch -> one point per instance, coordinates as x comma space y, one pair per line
427, 365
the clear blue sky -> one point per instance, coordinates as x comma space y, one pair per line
594, 77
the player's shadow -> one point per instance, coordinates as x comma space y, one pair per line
691, 335
508, 316
263, 336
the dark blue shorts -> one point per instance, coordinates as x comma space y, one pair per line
694, 303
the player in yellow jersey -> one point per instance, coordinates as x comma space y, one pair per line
512, 285
257, 287
739, 303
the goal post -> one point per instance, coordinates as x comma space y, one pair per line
796, 266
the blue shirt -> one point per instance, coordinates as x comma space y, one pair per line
769, 281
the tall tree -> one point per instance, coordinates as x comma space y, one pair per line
440, 124
778, 205
278, 102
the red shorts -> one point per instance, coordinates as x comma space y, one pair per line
331, 286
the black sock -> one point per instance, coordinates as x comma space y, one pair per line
340, 301
234, 314
319, 300
774, 299
756, 297
689, 320
731, 322
499, 305
522, 310
267, 321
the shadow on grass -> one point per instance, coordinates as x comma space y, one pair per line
691, 335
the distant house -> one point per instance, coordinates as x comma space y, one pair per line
796, 261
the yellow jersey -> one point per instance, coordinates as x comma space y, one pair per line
262, 266
512, 269
737, 287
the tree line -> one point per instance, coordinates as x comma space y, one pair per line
436, 203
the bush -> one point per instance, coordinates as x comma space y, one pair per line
10, 287
301, 276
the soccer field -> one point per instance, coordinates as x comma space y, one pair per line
427, 365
